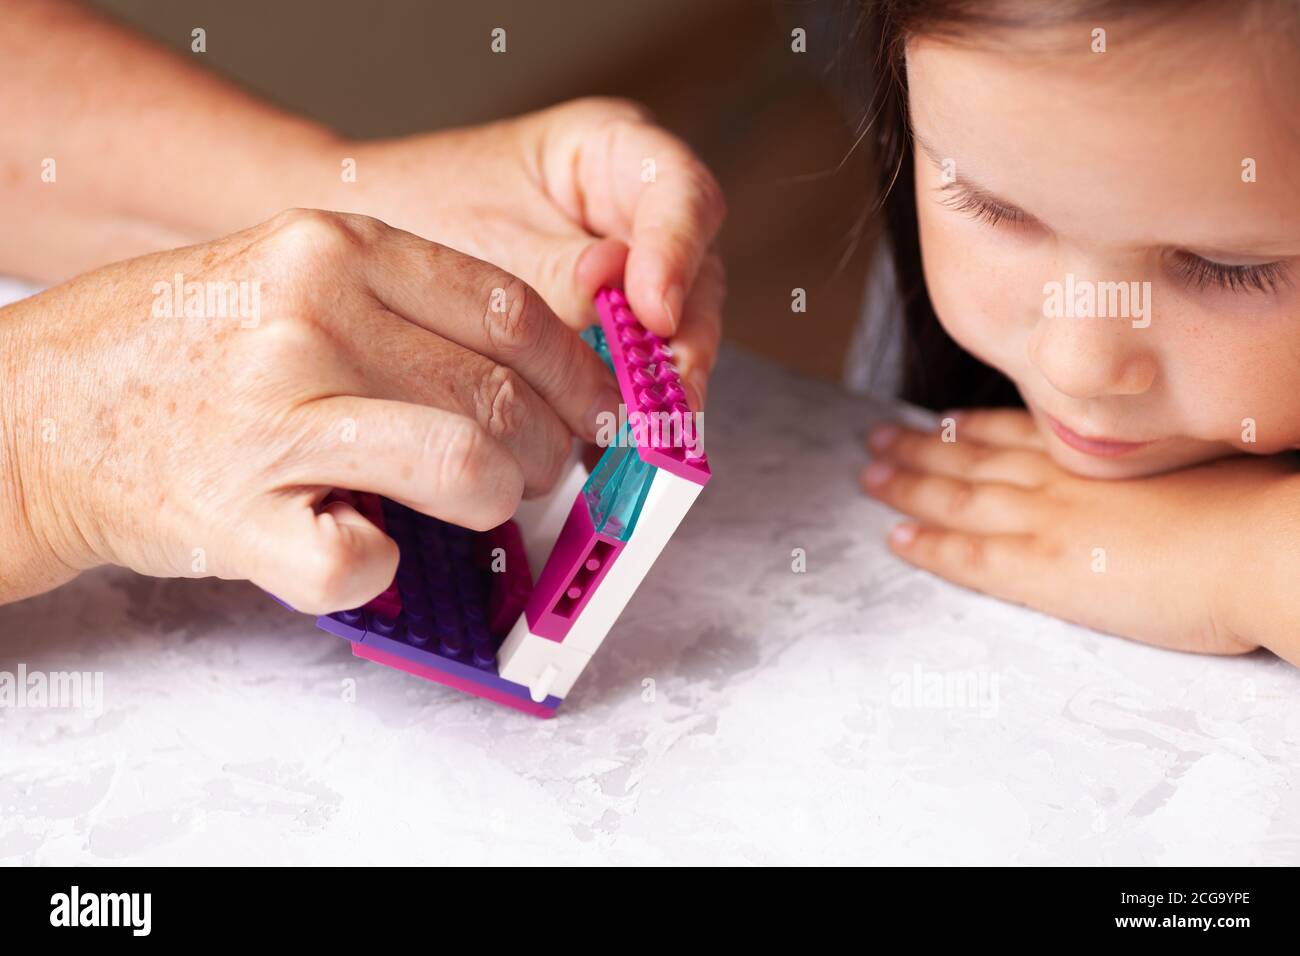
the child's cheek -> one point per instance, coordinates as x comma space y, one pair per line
976, 290
1255, 398
1227, 369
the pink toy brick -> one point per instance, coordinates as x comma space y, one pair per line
476, 687
579, 561
652, 391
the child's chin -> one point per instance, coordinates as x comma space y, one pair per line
1113, 469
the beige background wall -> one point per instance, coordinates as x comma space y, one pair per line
720, 73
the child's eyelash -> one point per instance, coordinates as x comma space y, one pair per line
979, 208
1269, 277
1199, 272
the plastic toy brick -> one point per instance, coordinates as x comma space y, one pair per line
512, 583
500, 691
549, 667
462, 609
580, 559
616, 491
447, 589
648, 493
667, 435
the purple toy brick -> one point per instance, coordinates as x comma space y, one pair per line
283, 604
349, 625
502, 692
456, 669
511, 587
441, 628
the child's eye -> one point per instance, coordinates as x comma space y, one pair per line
981, 208
1200, 273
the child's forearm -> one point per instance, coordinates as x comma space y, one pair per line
1264, 591
113, 146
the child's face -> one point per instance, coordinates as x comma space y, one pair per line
1128, 166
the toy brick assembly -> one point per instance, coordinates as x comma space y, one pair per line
464, 608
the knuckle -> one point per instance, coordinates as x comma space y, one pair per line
308, 234
458, 447
462, 452
614, 107
972, 554
1047, 551
297, 331
712, 201
508, 321
498, 402
959, 501
908, 447
273, 352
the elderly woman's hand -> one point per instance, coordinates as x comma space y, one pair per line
185, 413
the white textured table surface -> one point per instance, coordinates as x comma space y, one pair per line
861, 711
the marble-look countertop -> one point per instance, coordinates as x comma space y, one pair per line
739, 712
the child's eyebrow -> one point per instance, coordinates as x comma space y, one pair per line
968, 185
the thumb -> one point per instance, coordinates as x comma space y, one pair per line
320, 562
572, 270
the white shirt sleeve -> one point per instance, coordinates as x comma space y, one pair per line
874, 363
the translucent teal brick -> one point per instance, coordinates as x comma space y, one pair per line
617, 488
594, 336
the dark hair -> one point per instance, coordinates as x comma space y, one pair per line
937, 372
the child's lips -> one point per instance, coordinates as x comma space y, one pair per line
1101, 447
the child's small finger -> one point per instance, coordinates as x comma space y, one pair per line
968, 459
984, 507
1000, 565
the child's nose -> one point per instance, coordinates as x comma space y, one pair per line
1092, 357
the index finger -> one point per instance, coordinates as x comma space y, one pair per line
482, 308
677, 210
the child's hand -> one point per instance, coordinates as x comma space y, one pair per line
156, 428
1158, 559
564, 199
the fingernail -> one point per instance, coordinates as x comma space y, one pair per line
602, 418
350, 517
903, 534
884, 436
673, 302
877, 473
